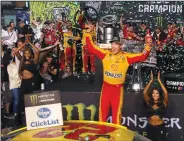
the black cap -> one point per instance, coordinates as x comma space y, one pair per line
115, 40
21, 21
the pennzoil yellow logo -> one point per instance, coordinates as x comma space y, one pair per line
34, 99
114, 67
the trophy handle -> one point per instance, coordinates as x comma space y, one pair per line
109, 19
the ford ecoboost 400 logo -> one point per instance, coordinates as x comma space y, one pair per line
44, 112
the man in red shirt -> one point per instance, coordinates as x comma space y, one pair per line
50, 35
180, 41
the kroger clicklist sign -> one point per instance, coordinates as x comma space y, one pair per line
43, 110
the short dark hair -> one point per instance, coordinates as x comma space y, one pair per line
11, 23
158, 27
8, 26
21, 40
21, 21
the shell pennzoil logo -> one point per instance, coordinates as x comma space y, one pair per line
79, 130
114, 67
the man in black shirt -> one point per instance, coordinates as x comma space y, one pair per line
142, 30
25, 29
159, 35
52, 67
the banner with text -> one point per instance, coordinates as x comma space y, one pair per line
43, 110
84, 106
153, 13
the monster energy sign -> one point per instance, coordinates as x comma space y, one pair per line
84, 106
43, 110
159, 21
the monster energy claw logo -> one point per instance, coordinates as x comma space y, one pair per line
159, 21
34, 99
81, 107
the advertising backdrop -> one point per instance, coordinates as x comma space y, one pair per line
84, 106
43, 110
151, 12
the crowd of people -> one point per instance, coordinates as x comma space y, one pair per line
40, 52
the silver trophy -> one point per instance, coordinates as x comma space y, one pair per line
136, 83
108, 27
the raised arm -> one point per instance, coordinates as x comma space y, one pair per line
124, 27
138, 57
36, 52
80, 20
18, 49
145, 92
45, 51
133, 58
121, 21
93, 48
163, 89
49, 47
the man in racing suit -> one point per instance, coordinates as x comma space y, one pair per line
115, 65
69, 43
88, 27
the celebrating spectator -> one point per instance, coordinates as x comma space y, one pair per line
14, 81
156, 103
25, 30
9, 38
28, 68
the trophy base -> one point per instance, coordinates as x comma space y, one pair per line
136, 87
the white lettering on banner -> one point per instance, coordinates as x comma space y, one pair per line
161, 8
174, 83
130, 120
144, 121
141, 122
173, 121
46, 98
